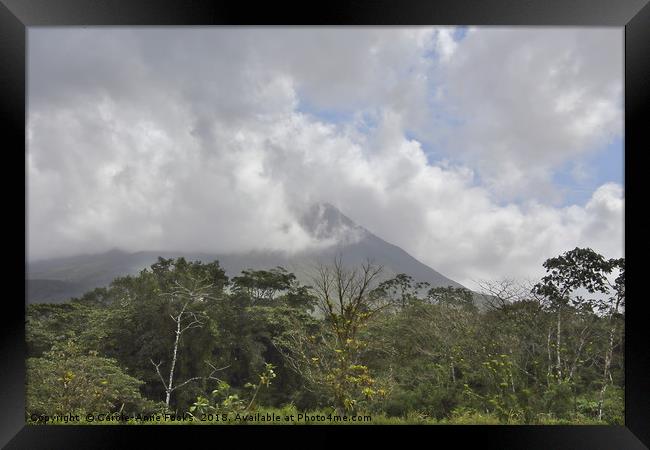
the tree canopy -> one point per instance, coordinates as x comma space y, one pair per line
183, 337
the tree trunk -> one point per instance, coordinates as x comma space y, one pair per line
550, 358
173, 366
558, 343
608, 359
581, 344
606, 374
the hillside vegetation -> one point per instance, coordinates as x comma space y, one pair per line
183, 343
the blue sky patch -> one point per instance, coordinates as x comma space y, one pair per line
579, 179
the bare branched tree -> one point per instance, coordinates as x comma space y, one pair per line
182, 297
498, 294
330, 357
343, 295
309, 355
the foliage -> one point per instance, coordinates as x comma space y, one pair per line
67, 380
224, 401
399, 350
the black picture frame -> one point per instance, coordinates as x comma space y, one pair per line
634, 15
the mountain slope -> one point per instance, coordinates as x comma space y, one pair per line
58, 279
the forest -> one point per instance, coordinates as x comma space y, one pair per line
183, 342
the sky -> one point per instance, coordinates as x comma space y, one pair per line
480, 151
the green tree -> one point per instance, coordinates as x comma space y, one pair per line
451, 296
612, 307
399, 291
66, 380
578, 268
143, 321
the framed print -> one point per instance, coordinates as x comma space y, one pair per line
414, 216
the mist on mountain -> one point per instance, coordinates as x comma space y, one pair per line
58, 279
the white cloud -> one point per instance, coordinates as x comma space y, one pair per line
528, 100
201, 140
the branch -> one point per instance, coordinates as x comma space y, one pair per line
214, 369
184, 383
195, 323
209, 377
157, 366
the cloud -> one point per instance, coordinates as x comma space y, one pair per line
216, 140
527, 100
